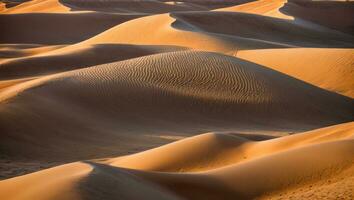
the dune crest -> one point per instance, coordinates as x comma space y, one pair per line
269, 8
38, 6
331, 69
259, 176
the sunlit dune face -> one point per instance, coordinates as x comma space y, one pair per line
187, 99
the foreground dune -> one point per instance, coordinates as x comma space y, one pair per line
264, 169
224, 149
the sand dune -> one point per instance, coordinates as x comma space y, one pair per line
188, 99
167, 31
56, 28
263, 175
192, 29
160, 93
269, 8
337, 15
331, 69
17, 51
148, 6
212, 150
74, 58
39, 6
262, 28
258, 173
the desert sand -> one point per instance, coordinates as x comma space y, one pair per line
155, 99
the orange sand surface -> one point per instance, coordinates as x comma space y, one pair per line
189, 99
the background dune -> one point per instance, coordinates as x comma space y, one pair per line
34, 6
258, 93
45, 29
330, 69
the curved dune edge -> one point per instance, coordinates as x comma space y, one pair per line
261, 7
193, 30
246, 84
10, 52
38, 6
58, 28
212, 150
282, 165
144, 6
330, 69
165, 32
229, 81
55, 183
82, 56
151, 95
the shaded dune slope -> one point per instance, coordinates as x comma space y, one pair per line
117, 6
193, 30
158, 93
165, 32
81, 56
147, 6
56, 28
264, 28
337, 15
260, 174
13, 51
215, 150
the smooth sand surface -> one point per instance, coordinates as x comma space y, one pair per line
158, 93
331, 69
95, 94
211, 166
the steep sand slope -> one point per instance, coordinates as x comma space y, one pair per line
40, 6
269, 8
162, 30
56, 183
81, 180
180, 92
214, 150
271, 169
337, 15
262, 28
267, 174
117, 6
330, 69
148, 6
57, 28
224, 32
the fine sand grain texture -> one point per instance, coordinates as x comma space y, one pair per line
189, 99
